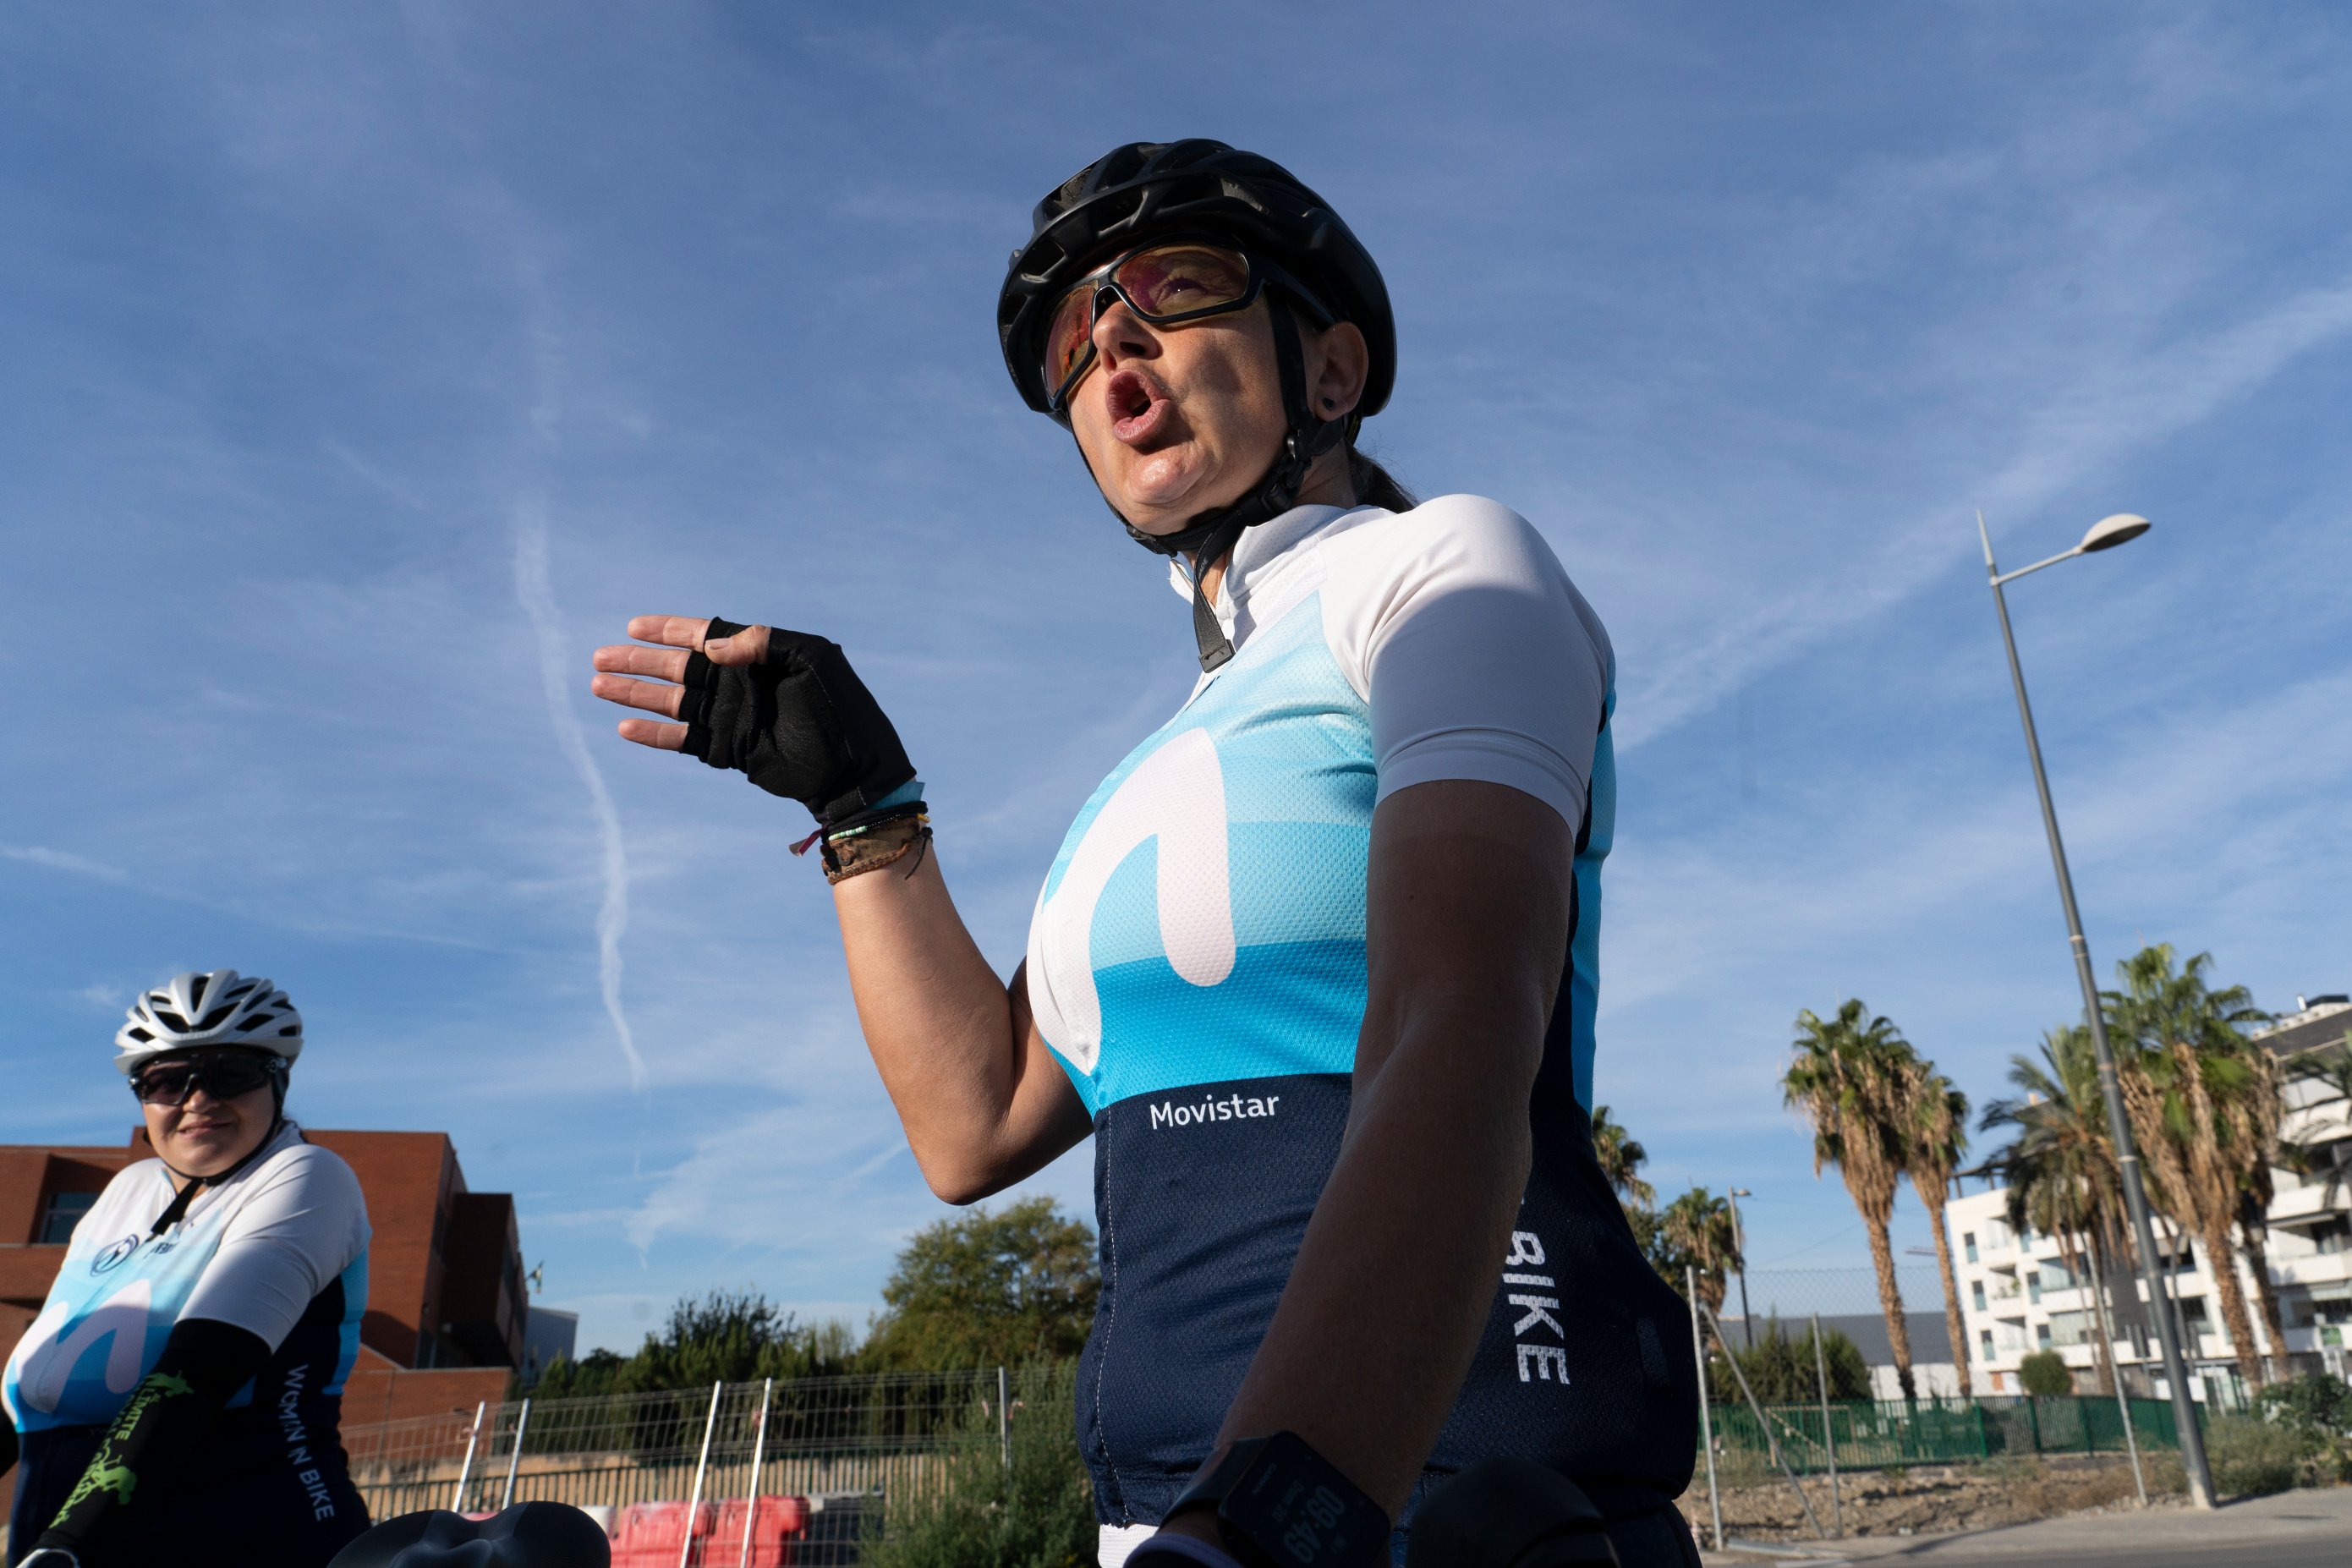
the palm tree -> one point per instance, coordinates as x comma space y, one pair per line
2255, 1117
2060, 1169
1621, 1159
2196, 1090
1700, 1224
1847, 1074
1935, 1131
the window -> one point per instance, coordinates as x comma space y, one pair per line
1968, 1246
2033, 1287
64, 1213
1978, 1287
1985, 1335
2042, 1335
2070, 1329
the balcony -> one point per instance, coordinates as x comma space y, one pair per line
2311, 1201
2318, 1268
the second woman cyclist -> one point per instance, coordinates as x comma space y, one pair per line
178, 1395
1316, 965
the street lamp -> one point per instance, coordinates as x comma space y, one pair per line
2105, 534
1740, 1247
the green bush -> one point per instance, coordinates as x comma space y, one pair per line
2317, 1408
1037, 1513
1780, 1368
2250, 1456
2045, 1374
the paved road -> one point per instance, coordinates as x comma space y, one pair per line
2294, 1530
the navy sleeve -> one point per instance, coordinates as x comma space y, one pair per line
165, 1422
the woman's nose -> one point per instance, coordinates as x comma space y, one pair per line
1121, 334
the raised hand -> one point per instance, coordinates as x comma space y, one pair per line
665, 692
783, 708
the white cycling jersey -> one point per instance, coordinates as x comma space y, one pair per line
1196, 961
283, 1243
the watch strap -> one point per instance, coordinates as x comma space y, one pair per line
1280, 1504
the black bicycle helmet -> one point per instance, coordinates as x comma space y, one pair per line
1192, 187
1199, 188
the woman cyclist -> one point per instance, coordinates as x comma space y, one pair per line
1316, 965
176, 1400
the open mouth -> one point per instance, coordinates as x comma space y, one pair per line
1137, 406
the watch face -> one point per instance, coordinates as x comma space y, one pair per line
1296, 1508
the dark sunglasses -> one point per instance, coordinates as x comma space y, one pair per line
1165, 283
173, 1082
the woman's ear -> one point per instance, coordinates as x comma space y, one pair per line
1340, 361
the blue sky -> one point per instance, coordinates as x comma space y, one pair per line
365, 367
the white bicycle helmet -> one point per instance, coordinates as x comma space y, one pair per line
198, 1011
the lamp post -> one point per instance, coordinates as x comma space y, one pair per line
1739, 1249
2105, 534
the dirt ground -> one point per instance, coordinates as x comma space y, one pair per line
1928, 1499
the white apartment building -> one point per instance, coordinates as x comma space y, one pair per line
2018, 1296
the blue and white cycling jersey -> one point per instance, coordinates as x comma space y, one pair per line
1196, 962
280, 1250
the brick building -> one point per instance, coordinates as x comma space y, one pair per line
446, 1307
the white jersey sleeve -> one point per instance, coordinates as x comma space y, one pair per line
1479, 659
300, 1225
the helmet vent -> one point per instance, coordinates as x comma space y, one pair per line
172, 1021
213, 1019
138, 1034
290, 1030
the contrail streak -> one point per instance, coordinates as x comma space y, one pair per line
555, 676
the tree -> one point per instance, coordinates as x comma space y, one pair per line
2044, 1374
1935, 1120
726, 1336
1847, 1074
1658, 1245
2060, 1169
1621, 1159
999, 1288
1697, 1224
1780, 1368
734, 1336
2192, 1082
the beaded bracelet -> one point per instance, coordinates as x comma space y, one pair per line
870, 846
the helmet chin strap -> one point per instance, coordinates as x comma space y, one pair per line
1210, 535
190, 1186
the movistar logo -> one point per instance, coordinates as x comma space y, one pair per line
1232, 1108
1175, 799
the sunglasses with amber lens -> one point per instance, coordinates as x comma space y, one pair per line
172, 1083
1163, 284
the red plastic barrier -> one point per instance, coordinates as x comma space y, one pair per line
776, 1524
652, 1534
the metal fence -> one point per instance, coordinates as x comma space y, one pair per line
1885, 1434
837, 1437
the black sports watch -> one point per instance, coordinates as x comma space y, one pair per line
1280, 1504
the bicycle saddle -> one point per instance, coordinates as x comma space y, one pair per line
528, 1535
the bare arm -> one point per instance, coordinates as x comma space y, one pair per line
1466, 926
980, 1096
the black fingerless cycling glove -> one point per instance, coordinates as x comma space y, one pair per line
799, 724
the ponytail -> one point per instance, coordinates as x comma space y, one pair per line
1375, 486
